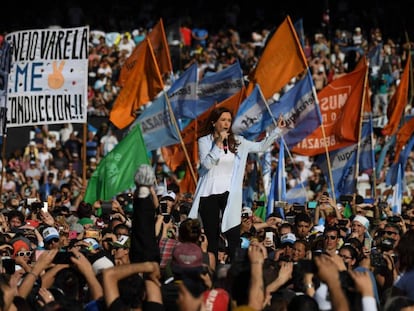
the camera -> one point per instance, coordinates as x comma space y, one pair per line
377, 260
387, 244
394, 219
163, 207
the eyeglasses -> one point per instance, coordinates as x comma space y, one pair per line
390, 232
21, 254
54, 240
345, 257
332, 237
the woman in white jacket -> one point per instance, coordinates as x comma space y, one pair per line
218, 195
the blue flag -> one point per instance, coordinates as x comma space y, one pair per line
391, 177
183, 93
397, 194
157, 127
344, 159
278, 186
298, 106
214, 88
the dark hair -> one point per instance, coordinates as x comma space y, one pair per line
209, 127
405, 250
304, 243
302, 217
189, 230
330, 229
354, 253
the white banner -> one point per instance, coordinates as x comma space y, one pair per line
48, 82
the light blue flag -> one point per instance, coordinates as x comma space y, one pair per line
344, 159
214, 88
298, 106
157, 127
278, 186
391, 177
397, 194
297, 194
183, 93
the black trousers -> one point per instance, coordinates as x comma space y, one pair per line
211, 210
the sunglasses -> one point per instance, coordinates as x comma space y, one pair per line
332, 237
21, 254
390, 232
54, 240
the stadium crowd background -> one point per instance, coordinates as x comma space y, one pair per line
49, 163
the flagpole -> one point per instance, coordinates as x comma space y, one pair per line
3, 152
85, 129
174, 121
361, 119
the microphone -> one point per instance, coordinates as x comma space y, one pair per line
225, 146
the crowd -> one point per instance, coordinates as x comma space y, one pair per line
141, 250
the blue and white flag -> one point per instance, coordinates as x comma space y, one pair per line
297, 194
344, 159
156, 125
397, 194
183, 93
391, 177
214, 88
278, 186
298, 106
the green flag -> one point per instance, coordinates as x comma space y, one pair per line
347, 211
115, 172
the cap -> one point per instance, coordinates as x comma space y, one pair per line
85, 221
169, 195
123, 242
19, 243
101, 264
217, 299
32, 162
186, 256
93, 244
288, 238
362, 220
50, 233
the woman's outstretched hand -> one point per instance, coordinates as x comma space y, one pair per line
281, 123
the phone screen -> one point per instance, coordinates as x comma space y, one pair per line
312, 204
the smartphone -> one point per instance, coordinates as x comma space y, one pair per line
29, 201
92, 234
269, 235
9, 265
312, 204
45, 207
367, 244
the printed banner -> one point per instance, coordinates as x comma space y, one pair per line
48, 83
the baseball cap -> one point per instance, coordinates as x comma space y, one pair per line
169, 195
93, 244
217, 299
246, 210
288, 238
50, 233
186, 257
101, 264
123, 242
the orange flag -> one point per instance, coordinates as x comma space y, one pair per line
398, 102
161, 50
340, 104
403, 135
144, 83
282, 60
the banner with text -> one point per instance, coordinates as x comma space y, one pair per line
48, 82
